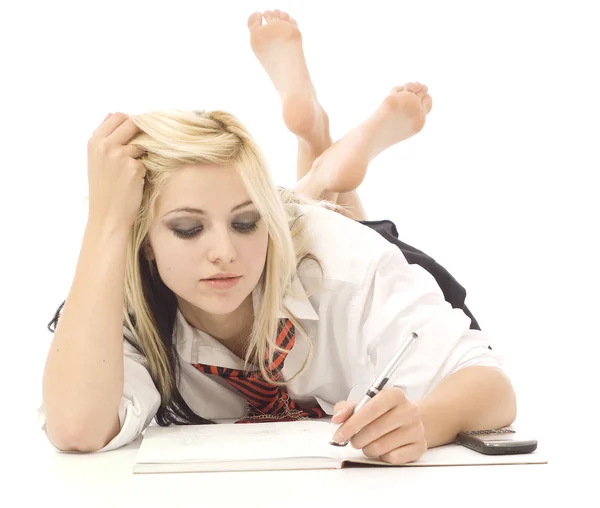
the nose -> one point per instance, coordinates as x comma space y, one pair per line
221, 247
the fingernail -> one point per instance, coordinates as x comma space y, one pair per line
338, 437
338, 413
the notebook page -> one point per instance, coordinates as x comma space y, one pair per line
235, 442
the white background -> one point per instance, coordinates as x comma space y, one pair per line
500, 187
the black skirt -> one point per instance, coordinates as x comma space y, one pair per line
454, 293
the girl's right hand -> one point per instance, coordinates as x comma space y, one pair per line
115, 175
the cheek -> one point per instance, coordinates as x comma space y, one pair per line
175, 260
251, 258
256, 251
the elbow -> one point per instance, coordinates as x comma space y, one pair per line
75, 438
72, 442
502, 390
492, 402
511, 396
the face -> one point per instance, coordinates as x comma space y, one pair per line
220, 232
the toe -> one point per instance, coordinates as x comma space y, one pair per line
285, 16
268, 16
422, 92
397, 89
277, 14
293, 21
254, 20
427, 103
412, 87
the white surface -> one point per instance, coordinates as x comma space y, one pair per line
106, 479
500, 187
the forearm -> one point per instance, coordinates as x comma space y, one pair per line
473, 398
83, 376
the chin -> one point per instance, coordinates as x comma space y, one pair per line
218, 310
225, 305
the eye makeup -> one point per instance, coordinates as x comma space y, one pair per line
248, 225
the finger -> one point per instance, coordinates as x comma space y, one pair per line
101, 123
133, 151
342, 411
109, 125
400, 436
405, 454
140, 171
377, 406
386, 423
124, 133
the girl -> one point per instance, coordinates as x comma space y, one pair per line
240, 300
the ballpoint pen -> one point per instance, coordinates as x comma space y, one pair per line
382, 380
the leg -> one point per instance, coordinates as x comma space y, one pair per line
342, 167
278, 47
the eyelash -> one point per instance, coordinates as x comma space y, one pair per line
241, 227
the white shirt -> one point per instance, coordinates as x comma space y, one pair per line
370, 300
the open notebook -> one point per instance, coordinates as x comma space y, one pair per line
278, 445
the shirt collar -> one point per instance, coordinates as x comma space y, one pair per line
193, 344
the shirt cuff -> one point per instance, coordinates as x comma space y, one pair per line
132, 419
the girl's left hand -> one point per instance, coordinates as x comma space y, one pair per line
388, 427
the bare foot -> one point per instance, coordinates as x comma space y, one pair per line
278, 47
343, 166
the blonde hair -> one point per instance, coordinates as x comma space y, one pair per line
175, 138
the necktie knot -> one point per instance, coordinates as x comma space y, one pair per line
265, 400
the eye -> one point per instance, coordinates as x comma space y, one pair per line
245, 227
187, 233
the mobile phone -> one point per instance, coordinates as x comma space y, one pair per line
502, 441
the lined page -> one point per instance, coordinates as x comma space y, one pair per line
235, 442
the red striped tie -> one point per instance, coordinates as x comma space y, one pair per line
266, 402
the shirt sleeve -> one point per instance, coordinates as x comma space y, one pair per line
399, 298
139, 402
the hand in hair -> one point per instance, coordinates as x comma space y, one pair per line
115, 175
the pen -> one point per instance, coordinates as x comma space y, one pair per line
382, 380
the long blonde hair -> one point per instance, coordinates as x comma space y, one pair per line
172, 139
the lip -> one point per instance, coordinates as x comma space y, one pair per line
223, 275
224, 283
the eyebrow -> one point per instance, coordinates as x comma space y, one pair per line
202, 212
